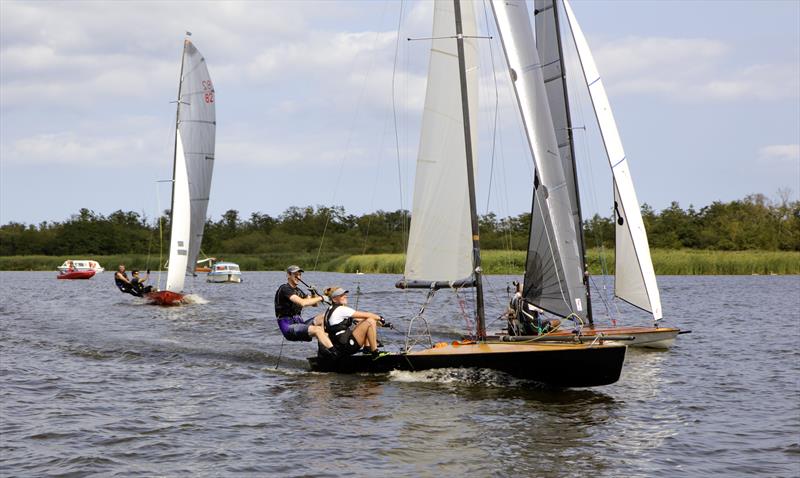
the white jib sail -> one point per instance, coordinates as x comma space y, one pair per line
181, 219
513, 24
440, 237
635, 278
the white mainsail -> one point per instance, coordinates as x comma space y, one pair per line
548, 45
554, 268
194, 164
635, 277
440, 237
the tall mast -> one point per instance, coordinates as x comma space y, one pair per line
473, 207
574, 165
177, 123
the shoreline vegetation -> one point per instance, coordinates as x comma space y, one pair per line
754, 235
665, 261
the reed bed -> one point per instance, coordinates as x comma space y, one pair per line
665, 261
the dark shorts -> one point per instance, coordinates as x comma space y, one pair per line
345, 343
294, 329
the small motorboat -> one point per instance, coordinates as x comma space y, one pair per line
71, 265
76, 274
225, 272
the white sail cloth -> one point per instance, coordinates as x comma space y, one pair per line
635, 277
440, 237
194, 165
554, 269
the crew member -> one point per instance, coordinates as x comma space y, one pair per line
122, 281
289, 302
137, 284
351, 330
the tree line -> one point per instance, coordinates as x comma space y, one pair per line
752, 223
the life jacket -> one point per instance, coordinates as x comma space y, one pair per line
137, 287
285, 307
339, 333
121, 284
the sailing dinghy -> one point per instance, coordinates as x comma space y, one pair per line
444, 242
551, 286
193, 164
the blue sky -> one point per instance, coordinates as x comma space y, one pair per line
706, 95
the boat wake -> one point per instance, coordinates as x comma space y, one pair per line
460, 376
194, 299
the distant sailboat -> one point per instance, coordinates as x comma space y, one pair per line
444, 243
193, 166
563, 289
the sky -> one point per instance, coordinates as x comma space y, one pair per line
318, 103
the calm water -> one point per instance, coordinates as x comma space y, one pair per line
97, 382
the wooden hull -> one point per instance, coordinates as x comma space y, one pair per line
652, 337
76, 275
165, 298
553, 364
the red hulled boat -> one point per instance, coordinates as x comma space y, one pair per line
165, 297
76, 275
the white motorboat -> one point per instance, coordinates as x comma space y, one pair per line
225, 272
80, 265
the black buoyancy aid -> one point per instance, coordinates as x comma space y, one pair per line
284, 307
121, 284
337, 332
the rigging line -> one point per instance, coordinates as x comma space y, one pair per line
496, 108
505, 196
347, 143
453, 37
375, 184
578, 84
396, 137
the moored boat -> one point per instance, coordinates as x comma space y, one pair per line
224, 272
80, 265
204, 265
86, 274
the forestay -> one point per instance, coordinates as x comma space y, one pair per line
194, 164
635, 278
554, 268
440, 238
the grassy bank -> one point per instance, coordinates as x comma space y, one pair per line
666, 262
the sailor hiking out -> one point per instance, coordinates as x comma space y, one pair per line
289, 303
351, 330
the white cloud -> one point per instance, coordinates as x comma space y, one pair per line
784, 152
117, 144
691, 69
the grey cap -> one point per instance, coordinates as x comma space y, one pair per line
293, 269
338, 292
